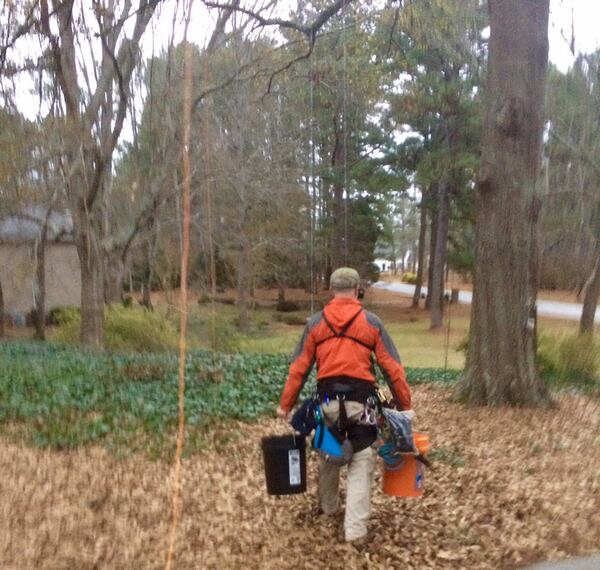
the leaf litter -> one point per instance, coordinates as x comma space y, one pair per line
509, 487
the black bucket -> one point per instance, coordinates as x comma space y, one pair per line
285, 464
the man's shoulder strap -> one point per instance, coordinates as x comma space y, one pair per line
342, 332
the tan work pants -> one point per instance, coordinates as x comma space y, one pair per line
360, 476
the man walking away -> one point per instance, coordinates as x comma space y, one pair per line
341, 340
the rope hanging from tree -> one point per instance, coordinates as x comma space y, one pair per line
345, 133
311, 185
185, 253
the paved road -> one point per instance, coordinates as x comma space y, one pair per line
588, 563
545, 308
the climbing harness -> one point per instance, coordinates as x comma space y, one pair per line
342, 332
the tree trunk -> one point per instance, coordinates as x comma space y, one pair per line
421, 250
243, 284
339, 254
590, 301
501, 360
114, 273
92, 284
40, 295
439, 259
433, 237
243, 269
151, 251
280, 293
146, 292
2, 332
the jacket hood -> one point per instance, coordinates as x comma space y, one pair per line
340, 311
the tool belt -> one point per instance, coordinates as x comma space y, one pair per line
346, 389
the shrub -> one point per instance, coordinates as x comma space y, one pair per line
572, 359
290, 318
409, 277
126, 329
287, 306
203, 298
62, 315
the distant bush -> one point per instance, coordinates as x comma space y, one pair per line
409, 277
287, 306
126, 329
572, 359
203, 298
290, 318
61, 315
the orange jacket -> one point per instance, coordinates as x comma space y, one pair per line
343, 356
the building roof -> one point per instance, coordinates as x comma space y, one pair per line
27, 225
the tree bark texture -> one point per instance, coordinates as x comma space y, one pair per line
92, 283
432, 240
501, 360
438, 262
114, 273
590, 300
40, 294
421, 248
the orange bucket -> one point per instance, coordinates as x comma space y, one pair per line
409, 479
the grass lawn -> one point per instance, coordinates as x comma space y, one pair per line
417, 345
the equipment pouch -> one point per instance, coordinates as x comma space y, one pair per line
332, 445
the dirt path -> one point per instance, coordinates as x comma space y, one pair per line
510, 487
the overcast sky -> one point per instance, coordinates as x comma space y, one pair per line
583, 14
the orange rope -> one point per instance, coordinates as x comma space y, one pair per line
185, 253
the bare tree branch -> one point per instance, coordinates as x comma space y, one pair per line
22, 30
219, 30
310, 31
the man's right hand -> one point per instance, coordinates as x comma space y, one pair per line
281, 413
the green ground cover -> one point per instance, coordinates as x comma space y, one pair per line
54, 395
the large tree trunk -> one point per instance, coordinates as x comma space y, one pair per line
501, 360
590, 300
421, 247
439, 259
92, 284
